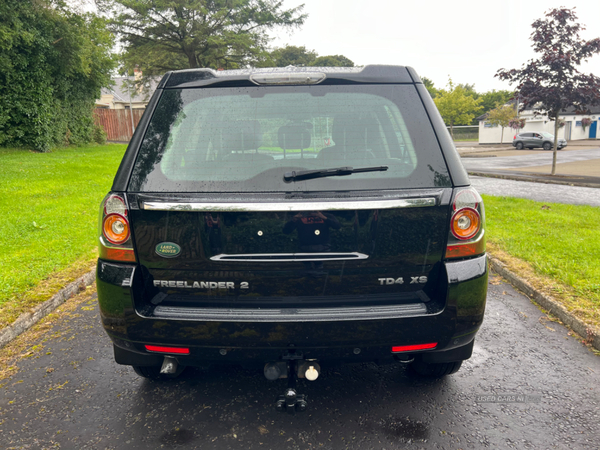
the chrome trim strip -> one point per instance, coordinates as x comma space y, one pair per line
290, 314
290, 206
289, 257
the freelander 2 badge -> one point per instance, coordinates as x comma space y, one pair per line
168, 249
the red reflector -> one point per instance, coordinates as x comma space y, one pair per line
116, 254
160, 349
410, 348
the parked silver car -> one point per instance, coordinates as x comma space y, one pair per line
534, 139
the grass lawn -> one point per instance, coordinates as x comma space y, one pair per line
49, 205
559, 243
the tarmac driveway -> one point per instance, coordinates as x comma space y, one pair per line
530, 384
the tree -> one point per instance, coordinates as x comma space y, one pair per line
456, 106
552, 83
429, 86
501, 115
469, 90
290, 55
53, 63
493, 98
332, 61
163, 35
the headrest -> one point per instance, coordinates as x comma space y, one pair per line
242, 135
350, 130
294, 136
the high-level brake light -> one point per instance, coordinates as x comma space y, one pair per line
288, 78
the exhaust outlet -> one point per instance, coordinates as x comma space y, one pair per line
169, 365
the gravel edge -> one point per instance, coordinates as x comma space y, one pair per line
552, 306
29, 319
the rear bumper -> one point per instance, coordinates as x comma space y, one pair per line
334, 334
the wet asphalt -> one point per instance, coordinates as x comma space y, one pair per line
529, 385
542, 192
520, 161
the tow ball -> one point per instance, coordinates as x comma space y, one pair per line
292, 368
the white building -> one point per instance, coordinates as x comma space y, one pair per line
571, 131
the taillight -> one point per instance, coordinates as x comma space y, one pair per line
115, 228
467, 235
115, 231
465, 224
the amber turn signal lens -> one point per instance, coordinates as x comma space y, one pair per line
115, 228
465, 223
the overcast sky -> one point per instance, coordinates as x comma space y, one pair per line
466, 40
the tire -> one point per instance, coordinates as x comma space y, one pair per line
435, 370
547, 146
153, 372
519, 146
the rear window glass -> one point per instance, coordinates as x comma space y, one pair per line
246, 139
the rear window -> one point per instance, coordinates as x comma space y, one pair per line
245, 139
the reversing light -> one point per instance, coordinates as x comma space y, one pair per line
465, 223
466, 199
115, 204
412, 348
115, 228
161, 349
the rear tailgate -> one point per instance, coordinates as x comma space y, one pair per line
375, 250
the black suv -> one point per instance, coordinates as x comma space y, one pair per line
291, 218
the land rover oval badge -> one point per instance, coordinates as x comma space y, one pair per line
168, 249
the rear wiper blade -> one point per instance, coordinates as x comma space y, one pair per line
288, 177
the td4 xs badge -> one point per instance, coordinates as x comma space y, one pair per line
391, 281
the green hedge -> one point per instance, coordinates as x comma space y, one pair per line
53, 63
